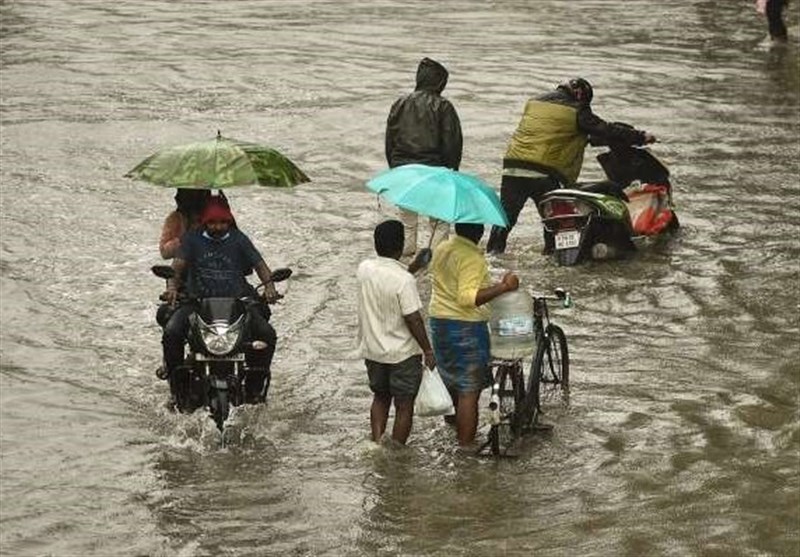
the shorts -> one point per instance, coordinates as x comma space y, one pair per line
462, 354
400, 380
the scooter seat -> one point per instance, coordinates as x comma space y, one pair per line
606, 188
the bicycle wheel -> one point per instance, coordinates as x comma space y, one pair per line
510, 396
552, 364
530, 405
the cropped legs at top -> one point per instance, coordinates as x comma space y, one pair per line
436, 231
777, 28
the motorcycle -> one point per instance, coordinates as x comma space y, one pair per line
606, 220
215, 373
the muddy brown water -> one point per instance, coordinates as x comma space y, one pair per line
682, 436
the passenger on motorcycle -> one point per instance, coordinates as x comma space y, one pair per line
546, 150
215, 260
189, 205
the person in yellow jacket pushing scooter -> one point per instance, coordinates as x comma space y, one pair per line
546, 150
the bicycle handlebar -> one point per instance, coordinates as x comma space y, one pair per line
561, 295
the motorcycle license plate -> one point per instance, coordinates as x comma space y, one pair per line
234, 358
568, 239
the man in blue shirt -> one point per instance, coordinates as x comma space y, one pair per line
215, 260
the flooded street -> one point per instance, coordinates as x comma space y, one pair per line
682, 436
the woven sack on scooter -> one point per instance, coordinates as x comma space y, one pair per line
648, 205
433, 399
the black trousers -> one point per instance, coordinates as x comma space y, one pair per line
515, 191
177, 328
777, 29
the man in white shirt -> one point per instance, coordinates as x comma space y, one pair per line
391, 333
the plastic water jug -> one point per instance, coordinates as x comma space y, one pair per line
511, 325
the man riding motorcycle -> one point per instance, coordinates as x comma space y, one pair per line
546, 150
215, 260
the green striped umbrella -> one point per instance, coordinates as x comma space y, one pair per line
219, 163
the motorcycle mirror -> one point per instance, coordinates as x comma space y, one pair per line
163, 271
282, 274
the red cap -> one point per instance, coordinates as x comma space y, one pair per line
216, 210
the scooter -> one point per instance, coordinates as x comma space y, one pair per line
215, 374
606, 220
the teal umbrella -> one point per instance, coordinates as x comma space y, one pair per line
219, 163
441, 193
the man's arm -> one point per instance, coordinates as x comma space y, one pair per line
265, 275
452, 139
470, 277
421, 261
507, 284
389, 140
254, 258
417, 328
179, 265
263, 271
170, 236
591, 124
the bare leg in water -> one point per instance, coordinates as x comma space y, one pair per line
403, 418
379, 415
467, 418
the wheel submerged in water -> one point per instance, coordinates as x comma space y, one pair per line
220, 408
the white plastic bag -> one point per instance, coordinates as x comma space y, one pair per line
433, 399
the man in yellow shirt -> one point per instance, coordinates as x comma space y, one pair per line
459, 319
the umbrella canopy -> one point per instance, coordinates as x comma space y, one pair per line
219, 163
441, 193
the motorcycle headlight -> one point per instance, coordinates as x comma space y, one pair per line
221, 338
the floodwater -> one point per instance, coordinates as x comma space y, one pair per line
682, 436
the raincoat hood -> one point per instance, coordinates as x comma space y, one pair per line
423, 126
431, 76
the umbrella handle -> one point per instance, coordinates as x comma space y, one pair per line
433, 233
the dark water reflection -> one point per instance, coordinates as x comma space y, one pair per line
683, 432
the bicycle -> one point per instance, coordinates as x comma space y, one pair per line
514, 407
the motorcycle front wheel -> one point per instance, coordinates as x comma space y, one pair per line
219, 407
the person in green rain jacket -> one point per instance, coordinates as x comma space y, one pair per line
546, 150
